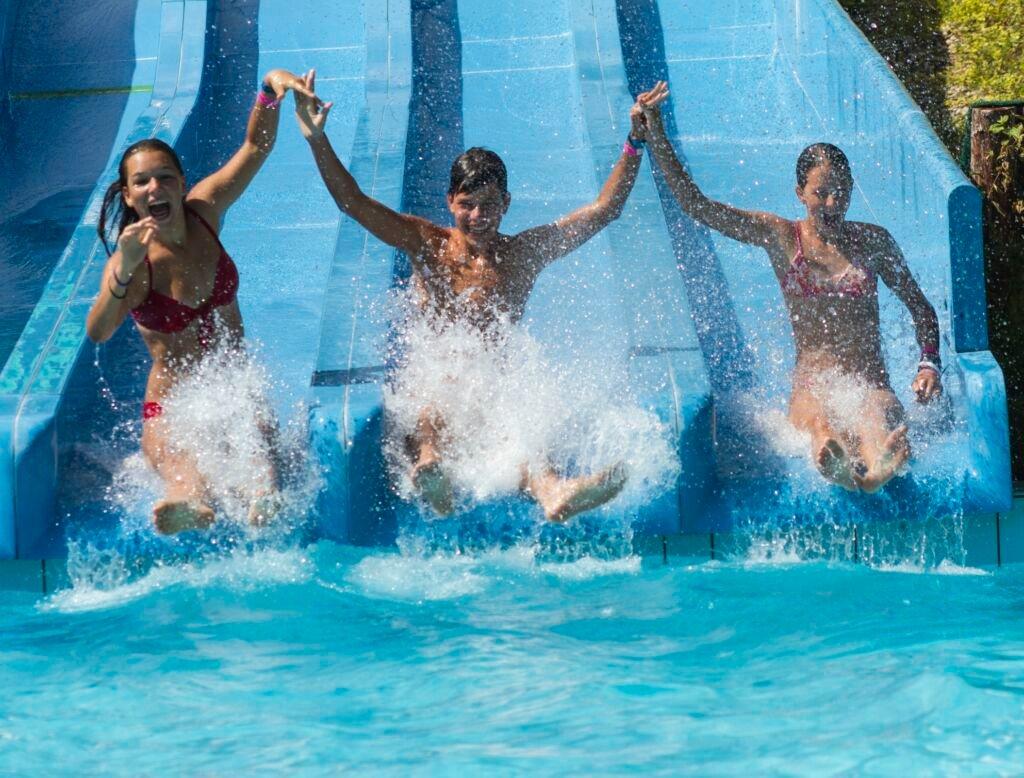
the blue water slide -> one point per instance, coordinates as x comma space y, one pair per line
696, 319
80, 80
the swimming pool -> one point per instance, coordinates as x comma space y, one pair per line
862, 646
326, 657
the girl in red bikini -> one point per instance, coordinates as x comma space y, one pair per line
828, 269
173, 276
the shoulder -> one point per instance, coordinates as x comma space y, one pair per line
870, 234
875, 242
205, 211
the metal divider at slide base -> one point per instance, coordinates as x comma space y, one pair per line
36, 374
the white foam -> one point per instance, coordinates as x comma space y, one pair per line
417, 578
588, 568
221, 417
505, 404
103, 579
945, 567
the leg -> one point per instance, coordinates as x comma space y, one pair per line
563, 498
827, 451
883, 440
184, 504
266, 500
427, 474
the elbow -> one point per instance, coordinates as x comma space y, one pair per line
96, 335
96, 332
609, 211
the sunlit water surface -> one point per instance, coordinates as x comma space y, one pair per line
315, 658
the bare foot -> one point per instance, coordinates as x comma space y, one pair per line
264, 508
434, 486
563, 499
835, 465
173, 516
895, 452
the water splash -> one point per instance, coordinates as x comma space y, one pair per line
219, 416
506, 405
106, 578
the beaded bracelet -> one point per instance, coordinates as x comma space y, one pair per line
633, 147
267, 101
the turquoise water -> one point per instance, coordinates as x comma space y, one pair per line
325, 657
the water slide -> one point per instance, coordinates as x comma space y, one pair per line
694, 319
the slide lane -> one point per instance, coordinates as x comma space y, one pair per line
282, 234
753, 82
65, 125
543, 86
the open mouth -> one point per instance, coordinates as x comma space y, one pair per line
159, 211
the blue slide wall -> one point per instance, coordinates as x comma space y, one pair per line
697, 318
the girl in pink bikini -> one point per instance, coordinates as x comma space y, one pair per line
173, 276
828, 269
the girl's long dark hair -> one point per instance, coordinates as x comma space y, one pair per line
114, 208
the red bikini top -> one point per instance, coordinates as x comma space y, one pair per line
162, 313
801, 281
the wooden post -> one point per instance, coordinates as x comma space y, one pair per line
1004, 260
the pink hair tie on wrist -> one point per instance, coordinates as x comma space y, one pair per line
630, 150
262, 98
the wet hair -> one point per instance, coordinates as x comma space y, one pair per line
476, 168
114, 208
819, 154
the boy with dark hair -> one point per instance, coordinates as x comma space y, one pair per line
472, 273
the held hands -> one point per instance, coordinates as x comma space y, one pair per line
927, 385
282, 80
310, 110
645, 115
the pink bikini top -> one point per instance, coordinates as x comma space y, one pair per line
801, 281
163, 313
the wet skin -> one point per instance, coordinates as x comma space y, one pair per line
831, 332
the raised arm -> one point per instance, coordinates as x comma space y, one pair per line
891, 267
220, 189
548, 242
403, 231
747, 226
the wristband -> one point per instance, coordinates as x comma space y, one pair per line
117, 296
267, 101
926, 364
630, 150
118, 281
636, 143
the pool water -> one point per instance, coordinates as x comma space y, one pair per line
322, 657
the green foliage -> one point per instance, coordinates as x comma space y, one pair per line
986, 43
948, 53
